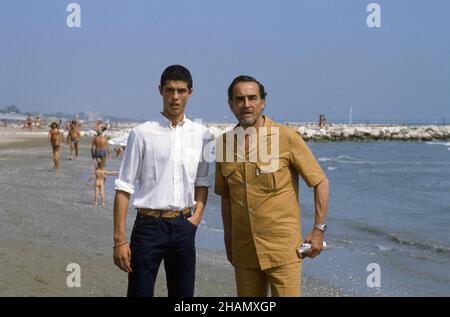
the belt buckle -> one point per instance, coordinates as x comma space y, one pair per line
168, 214
149, 213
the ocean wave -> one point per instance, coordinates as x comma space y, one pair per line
425, 245
211, 229
341, 159
344, 159
384, 248
428, 245
438, 143
345, 241
331, 168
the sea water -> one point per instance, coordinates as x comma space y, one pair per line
389, 204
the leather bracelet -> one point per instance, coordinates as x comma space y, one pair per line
119, 245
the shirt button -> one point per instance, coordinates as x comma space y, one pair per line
250, 210
255, 234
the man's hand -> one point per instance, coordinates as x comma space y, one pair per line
122, 257
226, 220
200, 196
227, 241
315, 238
194, 220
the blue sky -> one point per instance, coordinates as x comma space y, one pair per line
313, 57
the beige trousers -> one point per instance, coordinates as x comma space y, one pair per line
283, 281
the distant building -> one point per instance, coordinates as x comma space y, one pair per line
92, 116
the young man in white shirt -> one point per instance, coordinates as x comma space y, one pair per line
165, 159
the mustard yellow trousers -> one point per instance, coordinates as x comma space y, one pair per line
284, 281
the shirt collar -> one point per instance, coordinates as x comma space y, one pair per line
166, 122
267, 122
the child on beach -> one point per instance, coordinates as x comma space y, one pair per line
56, 139
100, 176
119, 149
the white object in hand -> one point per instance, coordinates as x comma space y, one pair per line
306, 246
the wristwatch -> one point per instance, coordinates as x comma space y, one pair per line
321, 227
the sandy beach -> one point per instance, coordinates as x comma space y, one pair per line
48, 222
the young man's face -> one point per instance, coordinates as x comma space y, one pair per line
175, 95
246, 103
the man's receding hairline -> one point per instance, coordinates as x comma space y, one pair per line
258, 93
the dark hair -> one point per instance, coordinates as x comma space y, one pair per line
176, 72
245, 78
54, 125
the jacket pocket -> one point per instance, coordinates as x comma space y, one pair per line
226, 169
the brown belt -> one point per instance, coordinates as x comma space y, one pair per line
163, 213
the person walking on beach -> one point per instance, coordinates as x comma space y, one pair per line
100, 148
99, 126
61, 126
29, 123
100, 177
69, 128
73, 138
259, 197
37, 123
322, 121
56, 139
165, 158
119, 149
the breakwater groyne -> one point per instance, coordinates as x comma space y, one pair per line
333, 132
343, 132
360, 132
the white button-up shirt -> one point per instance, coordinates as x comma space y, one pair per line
162, 164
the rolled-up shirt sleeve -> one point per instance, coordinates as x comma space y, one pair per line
202, 179
131, 167
304, 161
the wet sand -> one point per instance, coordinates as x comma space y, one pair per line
48, 222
